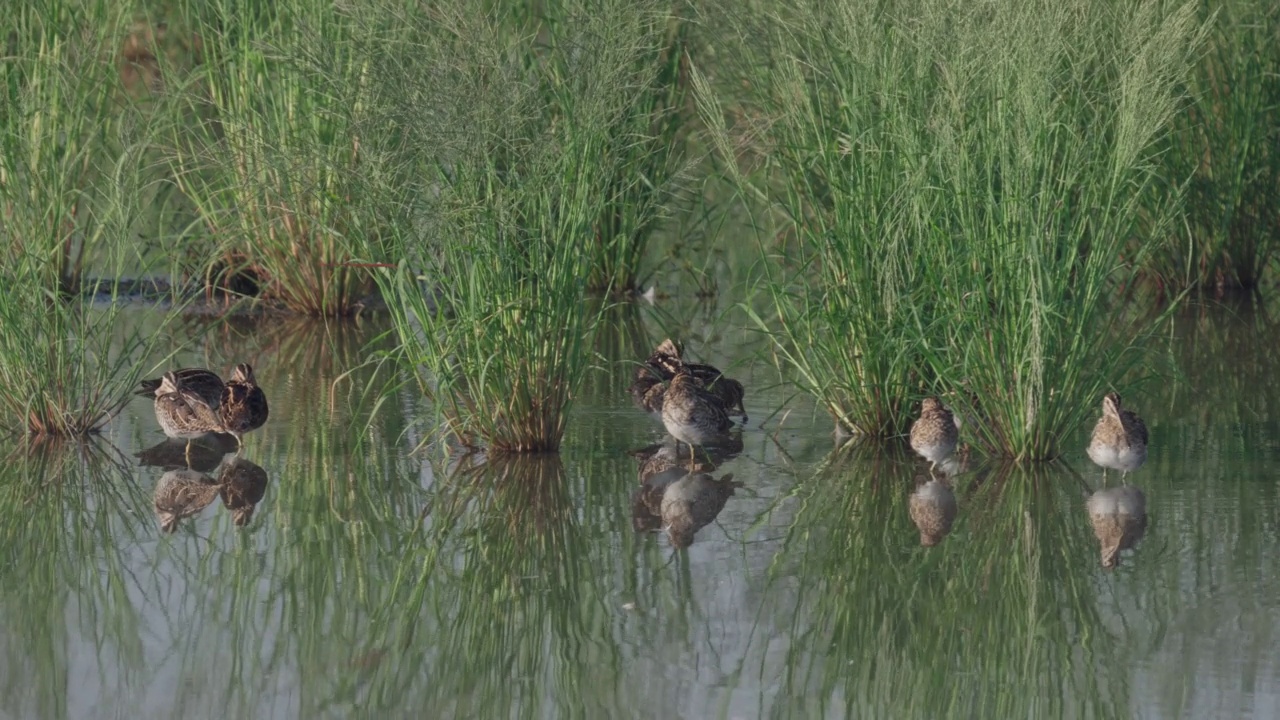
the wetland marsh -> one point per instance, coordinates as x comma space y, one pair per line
375, 582
443, 236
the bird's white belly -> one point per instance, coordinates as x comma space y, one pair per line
1124, 459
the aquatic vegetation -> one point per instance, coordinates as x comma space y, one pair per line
1119, 439
72, 184
517, 164
271, 143
1223, 156
67, 139
965, 211
65, 368
1008, 590
650, 147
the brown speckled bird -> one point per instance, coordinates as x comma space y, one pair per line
663, 364
183, 413
202, 382
692, 414
933, 510
934, 434
1119, 519
647, 390
180, 494
244, 405
1119, 439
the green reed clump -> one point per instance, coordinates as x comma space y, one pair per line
648, 147
516, 164
72, 178
962, 204
62, 133
272, 146
843, 168
1224, 154
65, 367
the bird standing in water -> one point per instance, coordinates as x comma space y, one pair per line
244, 405
183, 413
692, 415
934, 434
663, 364
1119, 439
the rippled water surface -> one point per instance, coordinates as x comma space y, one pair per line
369, 581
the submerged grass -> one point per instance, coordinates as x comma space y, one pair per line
517, 162
880, 625
962, 207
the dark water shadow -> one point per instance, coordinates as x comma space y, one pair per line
205, 453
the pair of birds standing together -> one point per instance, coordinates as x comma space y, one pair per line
193, 402
1119, 442
1119, 439
696, 405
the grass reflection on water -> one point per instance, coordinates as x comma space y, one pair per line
374, 582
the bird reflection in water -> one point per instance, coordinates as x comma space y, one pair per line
205, 454
181, 494
1119, 519
660, 466
242, 484
933, 510
932, 504
692, 502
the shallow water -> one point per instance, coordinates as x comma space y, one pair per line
370, 581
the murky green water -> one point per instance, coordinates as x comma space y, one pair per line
369, 582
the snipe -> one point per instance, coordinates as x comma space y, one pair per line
663, 364
243, 405
647, 390
204, 383
183, 413
934, 434
693, 415
1119, 439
